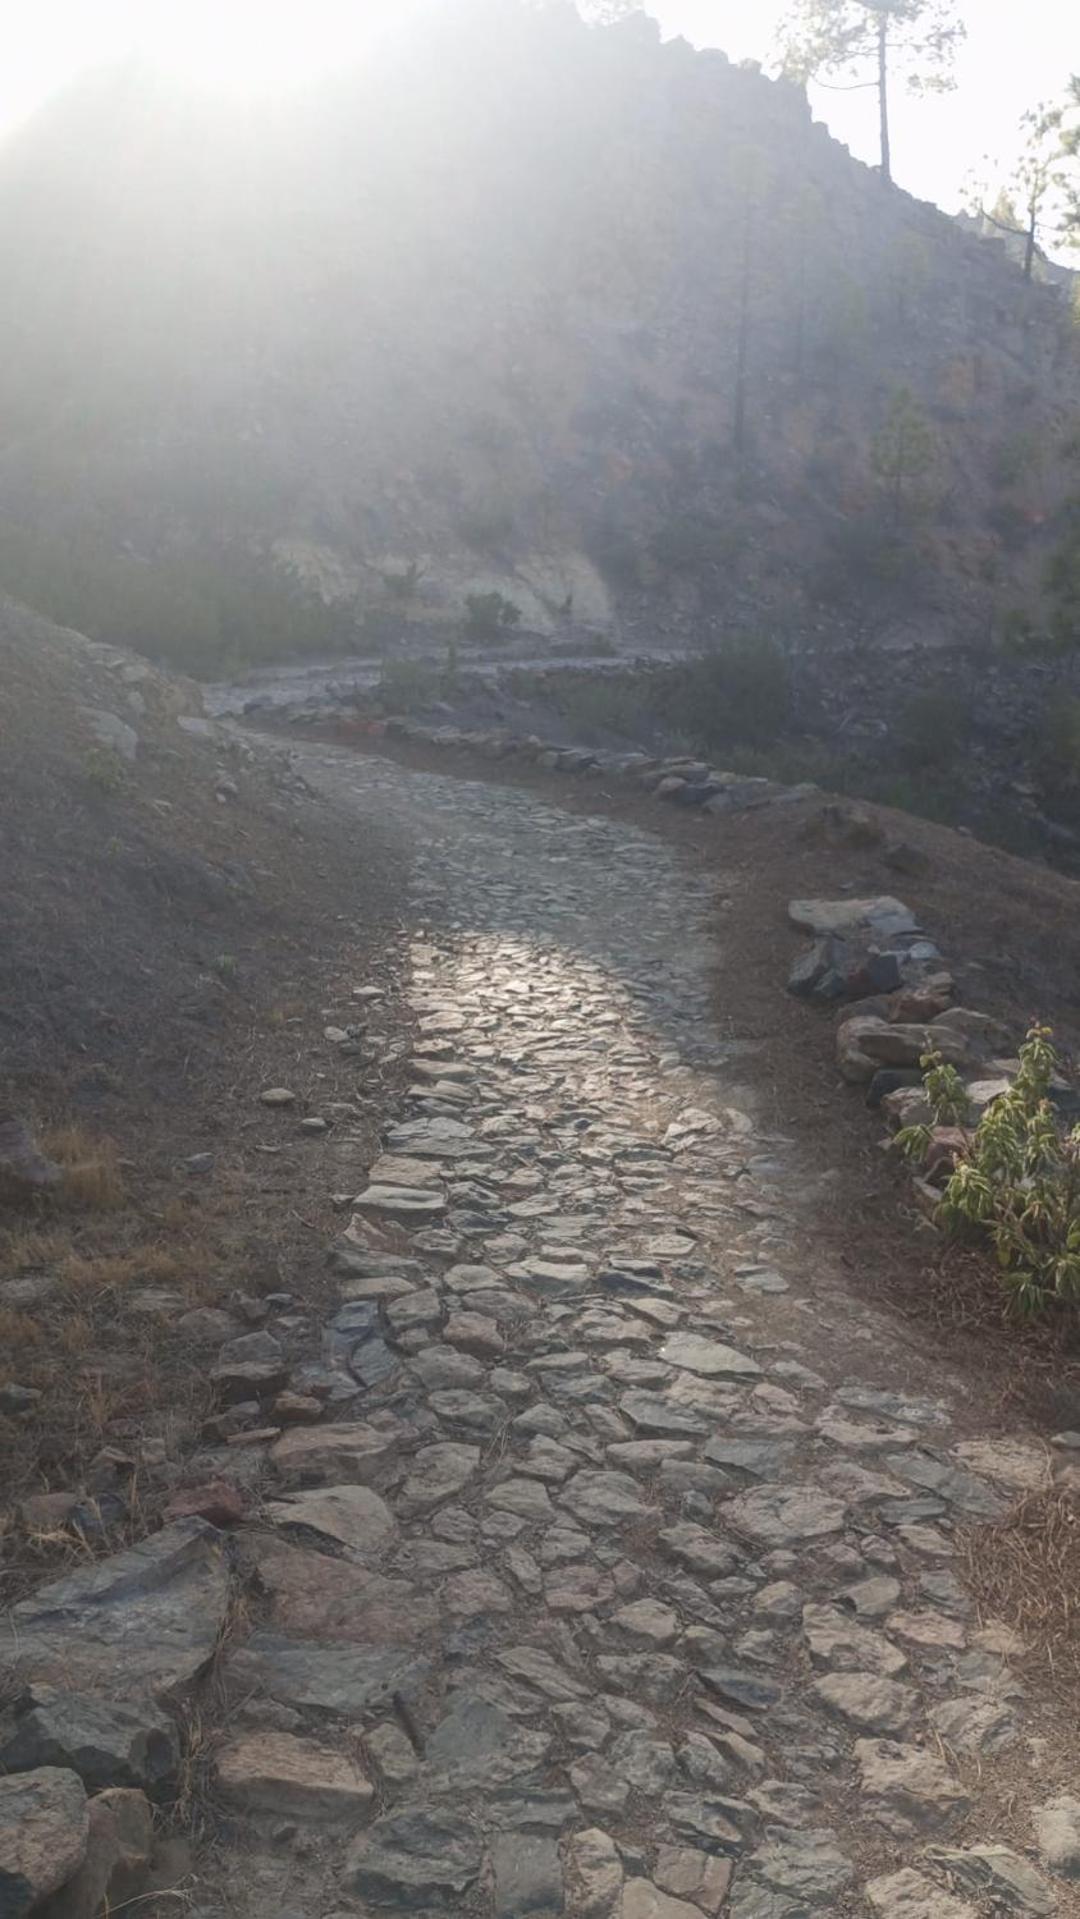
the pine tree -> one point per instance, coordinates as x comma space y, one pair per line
1070, 144
916, 38
1032, 197
904, 453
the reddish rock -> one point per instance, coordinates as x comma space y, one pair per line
46, 1512
296, 1409
218, 1501
919, 1005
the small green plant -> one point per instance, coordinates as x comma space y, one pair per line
401, 587
105, 771
1016, 1183
935, 725
489, 615
407, 686
904, 454
226, 965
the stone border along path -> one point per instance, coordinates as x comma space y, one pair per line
619, 1575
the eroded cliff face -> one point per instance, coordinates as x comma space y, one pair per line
604, 325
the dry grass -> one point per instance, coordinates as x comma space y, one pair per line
1026, 1572
150, 1265
18, 1331
93, 1181
30, 1251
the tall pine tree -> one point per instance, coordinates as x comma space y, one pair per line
912, 40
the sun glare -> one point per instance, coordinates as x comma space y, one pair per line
263, 46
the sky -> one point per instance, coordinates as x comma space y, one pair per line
1013, 59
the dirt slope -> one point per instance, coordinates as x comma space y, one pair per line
179, 918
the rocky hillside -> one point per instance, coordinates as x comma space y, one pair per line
605, 326
177, 912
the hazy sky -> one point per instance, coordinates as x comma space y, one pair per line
1014, 57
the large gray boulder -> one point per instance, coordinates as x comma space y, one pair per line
141, 1623
106, 1741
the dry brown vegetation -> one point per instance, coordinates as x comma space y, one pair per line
1026, 1572
128, 1046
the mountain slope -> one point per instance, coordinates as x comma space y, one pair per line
608, 326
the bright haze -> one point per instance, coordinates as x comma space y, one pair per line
255, 47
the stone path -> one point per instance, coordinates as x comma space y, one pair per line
619, 1576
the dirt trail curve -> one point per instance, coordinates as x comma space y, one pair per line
625, 1580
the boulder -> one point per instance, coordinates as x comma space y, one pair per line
111, 732
857, 1065
1057, 1829
907, 1106
44, 1831
22, 1166
142, 1622
248, 1367
113, 1870
883, 918
891, 1044
835, 968
985, 1037
107, 1742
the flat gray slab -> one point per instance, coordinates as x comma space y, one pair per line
145, 1621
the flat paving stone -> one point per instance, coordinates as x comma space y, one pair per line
275, 1772
709, 1357
408, 1858
353, 1516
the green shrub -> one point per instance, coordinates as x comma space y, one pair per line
489, 615
406, 686
106, 771
1016, 1184
934, 726
400, 587
740, 694
204, 608
865, 556
905, 455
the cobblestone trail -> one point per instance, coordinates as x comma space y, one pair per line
621, 1575
682, 1630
